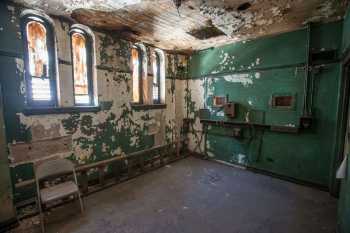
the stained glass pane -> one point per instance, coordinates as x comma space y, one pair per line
81, 87
38, 60
37, 49
135, 75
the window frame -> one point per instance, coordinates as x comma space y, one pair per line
89, 63
52, 61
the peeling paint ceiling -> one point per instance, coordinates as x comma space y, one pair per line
158, 23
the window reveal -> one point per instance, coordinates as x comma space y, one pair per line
80, 71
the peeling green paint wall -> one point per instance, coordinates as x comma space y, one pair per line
250, 73
114, 131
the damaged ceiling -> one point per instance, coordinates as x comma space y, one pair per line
201, 24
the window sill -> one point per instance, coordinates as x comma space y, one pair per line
58, 110
136, 106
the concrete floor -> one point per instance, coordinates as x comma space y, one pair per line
192, 196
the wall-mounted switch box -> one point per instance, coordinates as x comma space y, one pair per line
230, 109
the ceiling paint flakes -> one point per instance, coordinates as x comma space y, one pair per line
157, 22
66, 7
229, 21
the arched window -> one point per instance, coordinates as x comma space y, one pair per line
158, 87
82, 54
40, 59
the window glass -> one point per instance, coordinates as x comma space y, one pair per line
38, 60
37, 49
135, 59
80, 72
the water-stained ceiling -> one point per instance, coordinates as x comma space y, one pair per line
200, 24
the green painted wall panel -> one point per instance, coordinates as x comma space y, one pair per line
11, 94
305, 156
321, 39
255, 96
288, 48
9, 38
